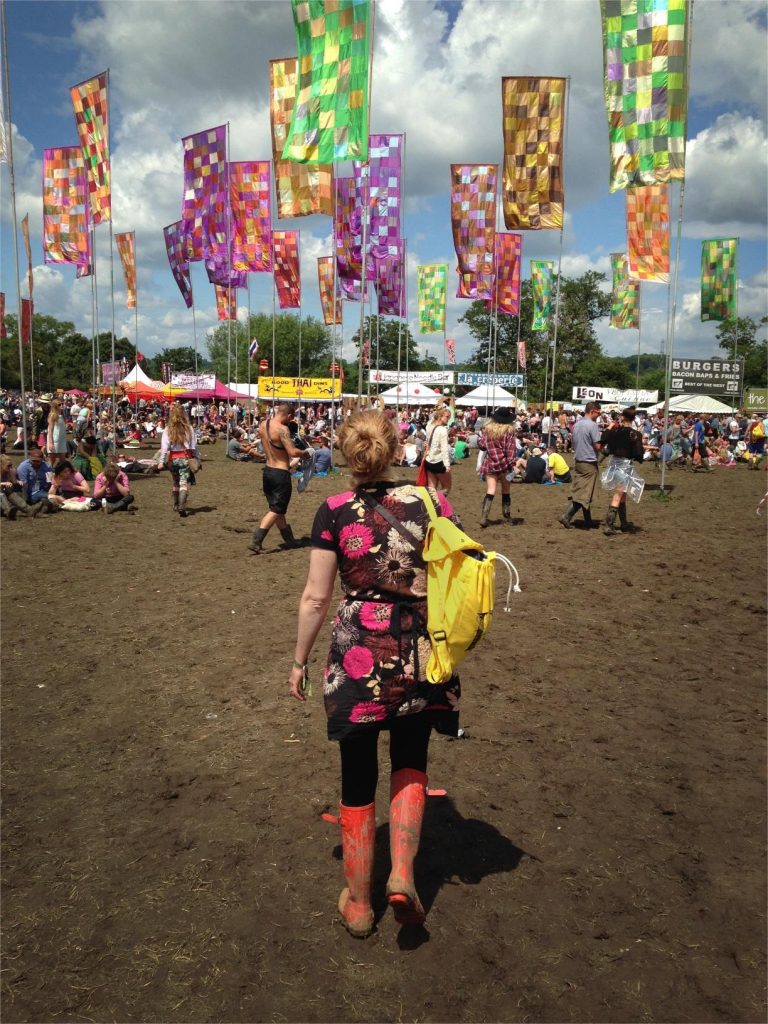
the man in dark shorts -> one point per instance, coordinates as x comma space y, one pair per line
279, 449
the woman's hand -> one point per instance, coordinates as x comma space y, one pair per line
296, 682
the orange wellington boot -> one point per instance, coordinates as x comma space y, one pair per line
407, 797
358, 836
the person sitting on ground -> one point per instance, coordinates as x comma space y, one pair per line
69, 489
558, 469
12, 493
35, 475
87, 459
460, 449
535, 468
237, 449
323, 457
111, 490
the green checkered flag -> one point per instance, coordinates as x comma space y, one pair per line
432, 279
718, 278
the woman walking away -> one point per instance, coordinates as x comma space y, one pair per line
56, 437
498, 442
624, 444
375, 678
179, 448
437, 453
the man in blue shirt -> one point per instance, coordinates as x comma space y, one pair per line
35, 476
699, 434
586, 448
322, 457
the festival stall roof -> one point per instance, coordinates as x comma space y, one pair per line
692, 403
137, 376
488, 395
206, 394
410, 394
163, 393
76, 392
242, 389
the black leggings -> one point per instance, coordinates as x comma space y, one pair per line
408, 743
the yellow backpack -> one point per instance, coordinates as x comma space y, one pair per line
461, 578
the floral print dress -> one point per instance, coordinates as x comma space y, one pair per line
376, 668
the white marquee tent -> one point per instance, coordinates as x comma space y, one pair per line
410, 394
137, 376
488, 394
692, 403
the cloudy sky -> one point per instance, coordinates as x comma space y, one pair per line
179, 67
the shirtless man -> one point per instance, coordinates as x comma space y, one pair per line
279, 449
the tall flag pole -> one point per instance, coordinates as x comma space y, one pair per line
8, 158
625, 305
718, 279
30, 292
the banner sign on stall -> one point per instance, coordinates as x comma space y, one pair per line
111, 373
412, 377
707, 376
756, 399
504, 380
307, 388
629, 396
190, 382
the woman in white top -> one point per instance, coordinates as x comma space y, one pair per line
178, 448
56, 440
437, 455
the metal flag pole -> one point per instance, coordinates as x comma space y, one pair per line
194, 342
111, 270
228, 208
136, 316
562, 232
517, 343
94, 324
248, 341
9, 134
637, 368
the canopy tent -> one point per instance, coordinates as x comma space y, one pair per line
488, 394
163, 393
219, 391
410, 394
692, 403
241, 388
76, 392
137, 376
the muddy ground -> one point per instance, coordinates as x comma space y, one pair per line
600, 853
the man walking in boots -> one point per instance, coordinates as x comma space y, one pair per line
624, 445
586, 448
279, 449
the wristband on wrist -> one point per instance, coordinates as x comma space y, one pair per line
298, 664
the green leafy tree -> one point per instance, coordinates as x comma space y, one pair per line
182, 359
300, 347
739, 337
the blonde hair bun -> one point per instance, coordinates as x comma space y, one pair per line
368, 441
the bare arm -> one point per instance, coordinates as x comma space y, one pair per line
313, 608
290, 448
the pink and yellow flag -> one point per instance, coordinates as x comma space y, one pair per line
473, 222
203, 211
89, 101
509, 249
65, 207
126, 246
287, 270
226, 302
301, 189
648, 233
326, 275
176, 249
251, 215
533, 115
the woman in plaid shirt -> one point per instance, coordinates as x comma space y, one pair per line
498, 443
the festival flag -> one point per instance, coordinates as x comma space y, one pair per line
166, 371
347, 228
89, 101
84, 271
381, 180
648, 232
646, 89
473, 222
542, 279
301, 189
220, 273
431, 291
203, 212
287, 269
326, 276
718, 278
126, 246
226, 302
176, 249
28, 247
450, 346
3, 331
253, 349
533, 111
521, 354
625, 298
509, 249
65, 206
330, 115
27, 311
390, 282
249, 187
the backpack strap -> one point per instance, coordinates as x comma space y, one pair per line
426, 497
379, 509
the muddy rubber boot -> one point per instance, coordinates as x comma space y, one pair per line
587, 517
11, 513
407, 799
289, 541
567, 516
487, 501
175, 501
609, 526
506, 507
257, 540
36, 510
626, 526
183, 512
358, 837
